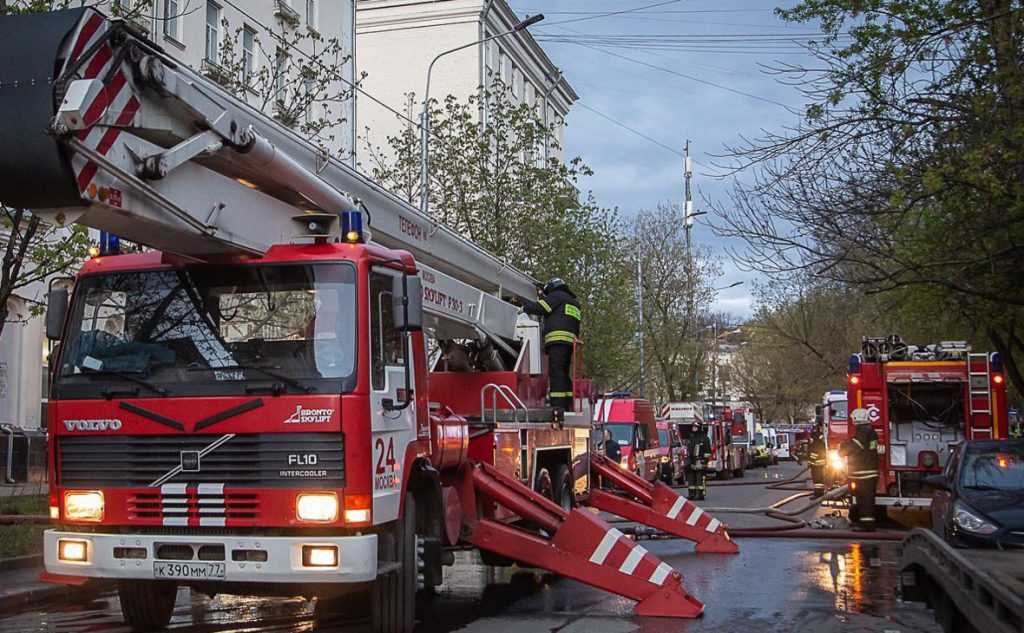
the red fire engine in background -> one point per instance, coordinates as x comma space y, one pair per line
922, 400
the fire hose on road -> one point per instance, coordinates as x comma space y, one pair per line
794, 527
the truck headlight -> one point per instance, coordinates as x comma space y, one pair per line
836, 461
72, 551
624, 463
83, 505
968, 521
665, 459
317, 507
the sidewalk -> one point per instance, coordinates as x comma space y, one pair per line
22, 589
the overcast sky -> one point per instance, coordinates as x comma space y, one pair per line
670, 104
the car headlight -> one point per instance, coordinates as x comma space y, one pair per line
83, 505
318, 507
665, 459
969, 521
836, 461
624, 463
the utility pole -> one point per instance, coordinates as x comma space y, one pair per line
640, 314
688, 227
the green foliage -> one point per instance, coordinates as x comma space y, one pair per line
496, 180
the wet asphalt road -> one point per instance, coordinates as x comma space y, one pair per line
772, 585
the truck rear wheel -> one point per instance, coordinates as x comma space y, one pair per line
147, 605
394, 594
562, 487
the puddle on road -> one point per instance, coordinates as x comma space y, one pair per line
772, 585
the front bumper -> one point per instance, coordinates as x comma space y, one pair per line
357, 557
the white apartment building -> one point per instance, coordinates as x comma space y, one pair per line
263, 33
193, 32
397, 39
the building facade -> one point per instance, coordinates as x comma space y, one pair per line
296, 58
397, 39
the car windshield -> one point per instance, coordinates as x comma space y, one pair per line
621, 433
1000, 469
839, 409
212, 329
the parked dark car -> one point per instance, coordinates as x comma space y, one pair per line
979, 497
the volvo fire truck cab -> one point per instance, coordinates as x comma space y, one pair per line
923, 401
307, 387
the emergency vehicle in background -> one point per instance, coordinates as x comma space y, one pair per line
631, 423
922, 400
833, 414
268, 405
724, 459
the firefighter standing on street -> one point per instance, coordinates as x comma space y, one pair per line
560, 310
817, 458
698, 447
861, 452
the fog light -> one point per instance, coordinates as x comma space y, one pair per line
54, 512
317, 507
319, 556
357, 516
83, 506
70, 551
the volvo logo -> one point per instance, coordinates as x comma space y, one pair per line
93, 425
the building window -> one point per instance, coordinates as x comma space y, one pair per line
212, 32
248, 53
171, 19
311, 14
280, 75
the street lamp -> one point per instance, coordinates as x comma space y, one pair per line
425, 116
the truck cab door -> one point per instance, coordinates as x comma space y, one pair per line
392, 430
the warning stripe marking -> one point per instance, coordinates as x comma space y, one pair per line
88, 30
635, 556
611, 537
660, 574
713, 525
695, 516
676, 508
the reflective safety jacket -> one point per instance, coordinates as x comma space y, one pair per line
817, 454
862, 453
561, 313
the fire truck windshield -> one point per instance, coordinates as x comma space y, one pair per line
212, 330
838, 409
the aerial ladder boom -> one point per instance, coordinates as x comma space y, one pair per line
145, 148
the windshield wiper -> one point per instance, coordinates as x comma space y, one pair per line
110, 392
265, 370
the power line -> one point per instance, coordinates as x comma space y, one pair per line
626, 127
595, 16
684, 75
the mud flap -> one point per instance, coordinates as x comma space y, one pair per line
583, 547
658, 506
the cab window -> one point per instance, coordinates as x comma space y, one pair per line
386, 341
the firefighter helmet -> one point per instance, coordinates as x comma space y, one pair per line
556, 283
860, 416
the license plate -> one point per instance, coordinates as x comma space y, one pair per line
189, 571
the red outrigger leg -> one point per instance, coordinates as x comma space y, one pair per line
581, 546
658, 506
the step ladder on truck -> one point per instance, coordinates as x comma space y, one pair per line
252, 406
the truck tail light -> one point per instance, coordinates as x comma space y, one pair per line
358, 509
997, 379
854, 380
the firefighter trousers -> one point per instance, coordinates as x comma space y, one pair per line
862, 512
818, 477
560, 375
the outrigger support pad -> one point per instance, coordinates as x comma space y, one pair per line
658, 506
576, 544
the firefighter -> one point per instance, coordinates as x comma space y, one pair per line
698, 447
612, 452
560, 309
817, 459
861, 452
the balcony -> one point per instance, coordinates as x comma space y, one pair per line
284, 12
212, 70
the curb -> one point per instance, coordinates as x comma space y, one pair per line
39, 593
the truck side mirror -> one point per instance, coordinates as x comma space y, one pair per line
56, 311
407, 303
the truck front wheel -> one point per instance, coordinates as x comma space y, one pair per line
147, 605
394, 593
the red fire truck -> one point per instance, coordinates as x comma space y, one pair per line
922, 400
267, 404
631, 423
